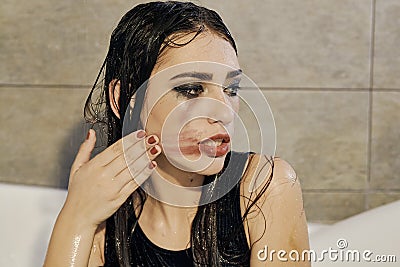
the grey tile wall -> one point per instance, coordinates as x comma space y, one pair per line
62, 42
324, 136
378, 199
385, 160
289, 43
387, 38
329, 207
41, 129
329, 70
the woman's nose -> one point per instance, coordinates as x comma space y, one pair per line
220, 106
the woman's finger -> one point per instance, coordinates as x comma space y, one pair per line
134, 156
117, 149
140, 163
133, 184
85, 150
131, 154
145, 173
134, 168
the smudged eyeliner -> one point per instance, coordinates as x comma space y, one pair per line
192, 90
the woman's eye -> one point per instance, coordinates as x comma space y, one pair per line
232, 90
189, 90
195, 90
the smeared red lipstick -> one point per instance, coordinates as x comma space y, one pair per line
189, 144
213, 150
225, 138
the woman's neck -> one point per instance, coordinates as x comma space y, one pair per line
175, 175
165, 216
167, 226
172, 193
174, 187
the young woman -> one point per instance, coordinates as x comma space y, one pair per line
168, 100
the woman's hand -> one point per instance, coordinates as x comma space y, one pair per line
98, 187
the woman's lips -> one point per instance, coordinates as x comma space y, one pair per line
214, 151
213, 146
216, 145
220, 136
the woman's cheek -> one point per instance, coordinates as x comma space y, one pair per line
189, 143
181, 144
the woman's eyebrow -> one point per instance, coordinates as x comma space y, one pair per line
234, 73
199, 75
205, 76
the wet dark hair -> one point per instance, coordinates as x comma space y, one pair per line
136, 44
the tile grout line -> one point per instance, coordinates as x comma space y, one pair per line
40, 86
350, 191
313, 89
263, 88
325, 89
370, 103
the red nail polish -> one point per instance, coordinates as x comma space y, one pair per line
152, 165
88, 135
153, 151
151, 140
141, 134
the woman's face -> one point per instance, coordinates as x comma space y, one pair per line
191, 103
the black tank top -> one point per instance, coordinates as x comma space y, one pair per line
228, 215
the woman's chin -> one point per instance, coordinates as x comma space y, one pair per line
214, 167
200, 164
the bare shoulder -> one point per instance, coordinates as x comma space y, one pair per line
272, 197
267, 176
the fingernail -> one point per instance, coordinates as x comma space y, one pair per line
141, 134
151, 140
152, 165
88, 135
154, 150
